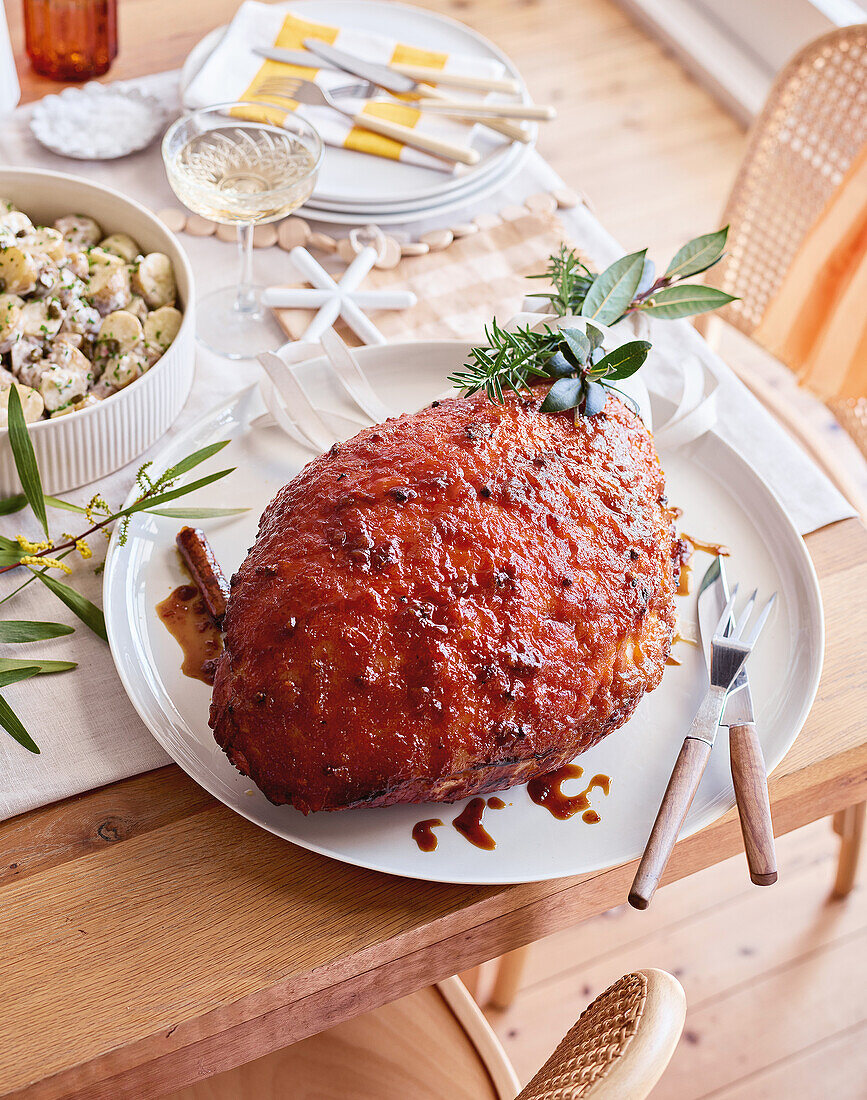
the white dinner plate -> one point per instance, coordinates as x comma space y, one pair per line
352, 178
400, 217
723, 500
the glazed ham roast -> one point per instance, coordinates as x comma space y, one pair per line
448, 604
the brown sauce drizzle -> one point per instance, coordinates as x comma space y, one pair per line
186, 618
716, 549
590, 817
678, 638
469, 824
423, 833
547, 791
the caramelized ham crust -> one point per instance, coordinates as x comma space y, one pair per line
448, 604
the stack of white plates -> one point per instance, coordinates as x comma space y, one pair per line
356, 189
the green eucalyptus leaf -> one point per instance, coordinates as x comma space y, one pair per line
55, 502
594, 335
9, 664
172, 494
25, 459
11, 557
29, 630
564, 394
685, 300
613, 290
188, 463
595, 400
12, 504
79, 605
195, 513
647, 276
577, 343
623, 361
12, 676
558, 366
697, 255
13, 725
10, 721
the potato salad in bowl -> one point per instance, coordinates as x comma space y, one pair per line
83, 312
97, 325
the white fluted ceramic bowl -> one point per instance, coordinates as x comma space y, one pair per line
85, 446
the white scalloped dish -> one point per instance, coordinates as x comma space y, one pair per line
97, 121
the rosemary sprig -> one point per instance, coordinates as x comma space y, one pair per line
40, 558
570, 278
507, 361
574, 360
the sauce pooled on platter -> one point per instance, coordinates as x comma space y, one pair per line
187, 620
469, 824
423, 833
713, 548
677, 639
547, 790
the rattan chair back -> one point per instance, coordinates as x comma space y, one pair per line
809, 132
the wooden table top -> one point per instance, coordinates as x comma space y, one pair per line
152, 937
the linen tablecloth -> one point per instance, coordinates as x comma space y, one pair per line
85, 725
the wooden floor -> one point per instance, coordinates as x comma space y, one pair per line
775, 979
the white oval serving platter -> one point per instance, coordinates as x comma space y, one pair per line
723, 500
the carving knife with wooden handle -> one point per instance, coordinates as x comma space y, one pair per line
749, 774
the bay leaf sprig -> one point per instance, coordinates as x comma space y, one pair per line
581, 370
42, 560
630, 284
575, 361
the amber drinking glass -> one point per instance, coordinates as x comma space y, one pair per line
71, 39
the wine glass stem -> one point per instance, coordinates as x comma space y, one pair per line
246, 301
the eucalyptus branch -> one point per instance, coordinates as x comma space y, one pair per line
572, 359
39, 558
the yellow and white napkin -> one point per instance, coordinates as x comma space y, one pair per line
235, 72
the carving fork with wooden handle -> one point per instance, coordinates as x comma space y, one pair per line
749, 775
728, 652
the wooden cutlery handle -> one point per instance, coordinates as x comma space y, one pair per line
408, 136
512, 130
457, 80
527, 111
685, 778
754, 807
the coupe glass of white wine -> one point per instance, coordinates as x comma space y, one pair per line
236, 171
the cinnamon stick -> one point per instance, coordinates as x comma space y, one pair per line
205, 570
